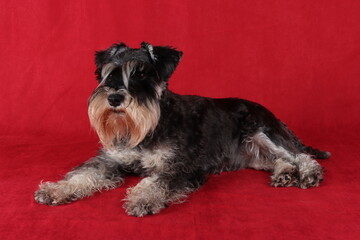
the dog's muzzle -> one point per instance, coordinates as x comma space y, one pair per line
115, 99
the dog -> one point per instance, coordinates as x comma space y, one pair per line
174, 141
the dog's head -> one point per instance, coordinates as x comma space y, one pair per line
124, 108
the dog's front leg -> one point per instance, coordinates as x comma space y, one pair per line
154, 193
94, 175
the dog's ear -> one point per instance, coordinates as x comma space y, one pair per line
105, 56
165, 59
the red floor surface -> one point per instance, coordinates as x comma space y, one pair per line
234, 205
301, 59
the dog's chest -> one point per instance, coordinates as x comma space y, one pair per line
151, 160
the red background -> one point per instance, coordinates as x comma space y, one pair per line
299, 58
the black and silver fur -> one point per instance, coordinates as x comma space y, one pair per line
174, 141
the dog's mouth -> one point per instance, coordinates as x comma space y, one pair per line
118, 111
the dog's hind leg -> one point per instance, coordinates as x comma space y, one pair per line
288, 168
94, 175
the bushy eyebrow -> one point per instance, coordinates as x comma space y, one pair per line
106, 70
127, 69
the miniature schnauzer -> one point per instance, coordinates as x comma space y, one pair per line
174, 141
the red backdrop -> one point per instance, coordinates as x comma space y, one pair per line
299, 58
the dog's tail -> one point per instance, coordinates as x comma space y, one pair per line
319, 154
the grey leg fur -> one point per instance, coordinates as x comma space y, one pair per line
289, 169
92, 176
311, 173
151, 195
147, 197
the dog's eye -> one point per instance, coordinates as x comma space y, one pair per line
139, 75
110, 76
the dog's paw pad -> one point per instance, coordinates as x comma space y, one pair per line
286, 178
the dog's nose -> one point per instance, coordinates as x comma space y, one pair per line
115, 99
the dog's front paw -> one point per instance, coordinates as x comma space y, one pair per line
52, 194
149, 196
142, 207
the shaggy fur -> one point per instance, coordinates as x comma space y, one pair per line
174, 141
